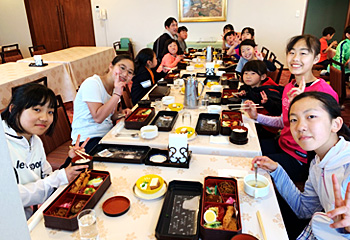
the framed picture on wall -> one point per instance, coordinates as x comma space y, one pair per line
202, 10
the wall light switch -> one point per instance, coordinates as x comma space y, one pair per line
297, 13
97, 8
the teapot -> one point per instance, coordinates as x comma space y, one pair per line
191, 92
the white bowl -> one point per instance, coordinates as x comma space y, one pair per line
214, 109
250, 189
168, 100
190, 68
216, 88
149, 132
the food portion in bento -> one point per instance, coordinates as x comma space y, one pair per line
144, 112
85, 185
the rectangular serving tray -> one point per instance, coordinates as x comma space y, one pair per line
129, 124
71, 223
167, 163
159, 92
183, 189
173, 114
120, 159
208, 116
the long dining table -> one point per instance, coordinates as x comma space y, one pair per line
139, 223
15, 74
81, 62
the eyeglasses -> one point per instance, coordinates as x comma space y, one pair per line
123, 69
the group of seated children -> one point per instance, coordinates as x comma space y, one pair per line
305, 110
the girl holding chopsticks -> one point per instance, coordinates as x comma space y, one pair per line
31, 112
316, 125
303, 52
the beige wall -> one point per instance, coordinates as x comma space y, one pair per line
275, 22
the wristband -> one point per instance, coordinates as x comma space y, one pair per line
117, 94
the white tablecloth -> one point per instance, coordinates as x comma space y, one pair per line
140, 221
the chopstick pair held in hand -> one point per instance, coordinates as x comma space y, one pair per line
78, 149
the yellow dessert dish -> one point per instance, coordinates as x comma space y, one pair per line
150, 183
198, 65
176, 107
183, 130
209, 84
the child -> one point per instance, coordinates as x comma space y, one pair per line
95, 106
316, 125
342, 54
248, 51
33, 111
232, 41
303, 52
327, 35
182, 36
247, 33
227, 28
170, 59
261, 90
145, 74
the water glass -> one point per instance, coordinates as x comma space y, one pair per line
87, 225
158, 104
176, 83
204, 102
186, 118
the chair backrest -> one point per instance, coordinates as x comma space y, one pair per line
124, 42
265, 52
337, 79
62, 131
126, 98
37, 50
11, 53
272, 57
116, 45
42, 80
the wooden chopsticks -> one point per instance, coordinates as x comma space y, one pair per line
261, 225
80, 153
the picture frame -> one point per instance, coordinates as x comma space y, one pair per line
202, 10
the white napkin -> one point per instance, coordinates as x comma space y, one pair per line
176, 143
118, 127
238, 173
219, 139
250, 131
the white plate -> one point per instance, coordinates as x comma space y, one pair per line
137, 192
158, 158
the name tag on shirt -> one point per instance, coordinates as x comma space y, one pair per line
146, 84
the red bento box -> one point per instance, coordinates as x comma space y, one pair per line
228, 120
139, 118
69, 220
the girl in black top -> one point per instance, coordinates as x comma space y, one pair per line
145, 74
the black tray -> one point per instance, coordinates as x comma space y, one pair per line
159, 92
173, 114
211, 79
119, 158
186, 75
199, 74
208, 116
178, 189
167, 163
214, 98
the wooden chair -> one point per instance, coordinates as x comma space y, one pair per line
124, 46
272, 57
42, 80
265, 52
37, 50
11, 53
337, 80
126, 98
57, 146
276, 75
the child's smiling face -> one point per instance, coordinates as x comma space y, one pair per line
172, 47
252, 79
247, 52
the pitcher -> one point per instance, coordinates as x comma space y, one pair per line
191, 92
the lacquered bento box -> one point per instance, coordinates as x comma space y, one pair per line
230, 119
139, 118
62, 212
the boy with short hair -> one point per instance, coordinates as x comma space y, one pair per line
170, 33
327, 35
182, 36
227, 28
342, 54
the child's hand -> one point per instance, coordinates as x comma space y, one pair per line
251, 109
259, 55
263, 97
242, 93
264, 163
297, 90
73, 171
71, 152
119, 84
180, 57
334, 43
127, 112
341, 212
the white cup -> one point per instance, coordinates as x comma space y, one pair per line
181, 82
87, 224
190, 68
149, 132
219, 62
168, 100
250, 189
38, 60
214, 109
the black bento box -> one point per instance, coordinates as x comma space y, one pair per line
208, 124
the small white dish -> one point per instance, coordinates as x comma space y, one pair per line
263, 185
216, 88
214, 109
158, 158
157, 195
168, 100
190, 68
